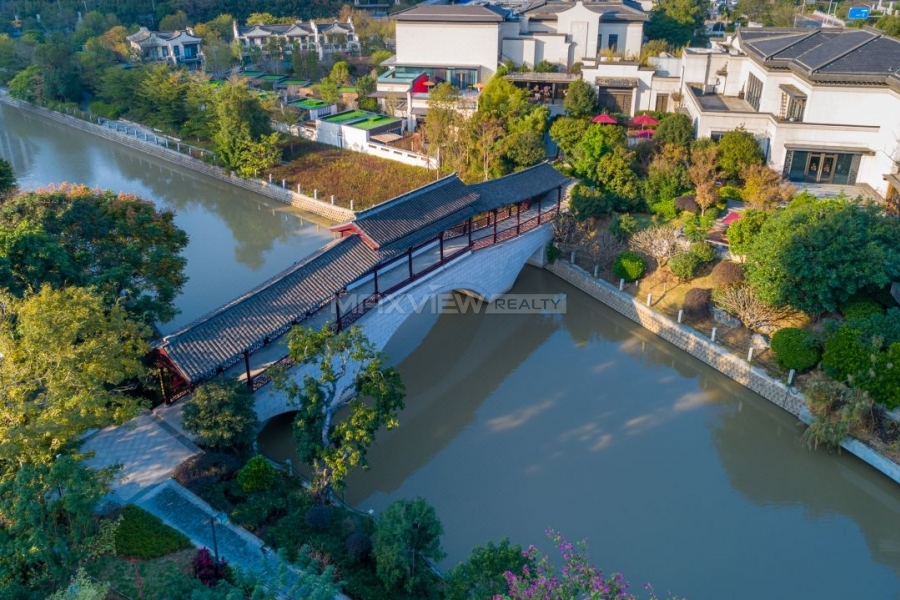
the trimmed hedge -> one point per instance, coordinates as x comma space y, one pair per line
860, 308
704, 252
795, 349
143, 535
684, 265
257, 475
629, 266
727, 273
696, 303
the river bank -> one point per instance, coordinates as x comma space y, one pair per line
270, 190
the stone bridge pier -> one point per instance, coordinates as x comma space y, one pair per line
485, 273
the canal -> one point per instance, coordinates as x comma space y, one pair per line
584, 422
238, 239
590, 425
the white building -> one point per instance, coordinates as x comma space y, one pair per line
824, 103
321, 38
178, 47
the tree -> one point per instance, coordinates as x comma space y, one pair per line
743, 232
407, 532
890, 24
7, 179
50, 526
174, 22
365, 85
82, 587
597, 141
329, 90
667, 176
218, 57
567, 132
118, 243
352, 375
675, 128
581, 99
66, 356
614, 172
482, 575
742, 302
706, 196
28, 84
59, 70
738, 149
340, 74
764, 189
441, 123
816, 254
10, 60
704, 164
223, 415
241, 123
659, 243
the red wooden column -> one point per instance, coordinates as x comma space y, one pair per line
441, 243
375, 275
337, 310
541, 201
247, 366
495, 225
470, 231
410, 263
518, 217
558, 198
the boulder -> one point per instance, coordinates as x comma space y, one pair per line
723, 318
759, 341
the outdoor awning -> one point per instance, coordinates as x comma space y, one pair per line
617, 82
827, 148
792, 91
387, 138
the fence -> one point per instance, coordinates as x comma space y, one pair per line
130, 138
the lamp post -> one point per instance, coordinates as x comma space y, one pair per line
222, 518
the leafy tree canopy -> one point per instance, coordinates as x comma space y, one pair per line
482, 575
7, 179
580, 99
816, 254
223, 415
675, 128
351, 375
738, 149
117, 243
407, 532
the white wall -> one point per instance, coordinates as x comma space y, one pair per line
522, 51
582, 25
435, 44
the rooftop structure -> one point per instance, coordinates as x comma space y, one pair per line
175, 47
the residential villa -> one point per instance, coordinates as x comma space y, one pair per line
321, 38
823, 103
180, 47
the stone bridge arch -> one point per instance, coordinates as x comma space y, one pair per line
486, 273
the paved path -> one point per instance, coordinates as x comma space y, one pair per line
148, 449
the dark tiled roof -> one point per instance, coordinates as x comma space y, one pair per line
407, 215
610, 11
518, 187
831, 56
467, 13
219, 338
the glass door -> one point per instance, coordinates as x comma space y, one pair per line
827, 171
812, 168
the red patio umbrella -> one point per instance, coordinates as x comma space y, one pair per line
605, 119
643, 120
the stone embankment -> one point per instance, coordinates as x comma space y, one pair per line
273, 191
701, 347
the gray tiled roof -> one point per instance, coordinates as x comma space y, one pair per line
218, 339
518, 187
466, 13
406, 215
611, 11
840, 56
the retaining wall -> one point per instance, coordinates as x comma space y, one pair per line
273, 191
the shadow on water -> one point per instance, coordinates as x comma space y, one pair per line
590, 425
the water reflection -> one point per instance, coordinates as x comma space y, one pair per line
587, 424
237, 239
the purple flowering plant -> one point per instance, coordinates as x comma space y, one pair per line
577, 580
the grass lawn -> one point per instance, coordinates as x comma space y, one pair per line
155, 574
365, 179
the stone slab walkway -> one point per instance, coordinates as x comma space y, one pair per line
148, 449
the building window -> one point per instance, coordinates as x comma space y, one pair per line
754, 91
662, 103
615, 100
599, 41
795, 109
613, 43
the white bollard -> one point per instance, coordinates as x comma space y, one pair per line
621, 284
332, 199
283, 183
298, 188
680, 315
750, 354
791, 374
572, 257
649, 299
315, 194
596, 270
270, 178
351, 205
712, 337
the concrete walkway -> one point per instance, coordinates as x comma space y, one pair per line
147, 448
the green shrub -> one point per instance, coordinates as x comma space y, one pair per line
552, 252
623, 226
696, 303
727, 273
860, 308
318, 517
795, 349
258, 509
629, 266
846, 355
359, 546
142, 535
730, 192
105, 110
664, 209
684, 265
704, 252
587, 202
257, 475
